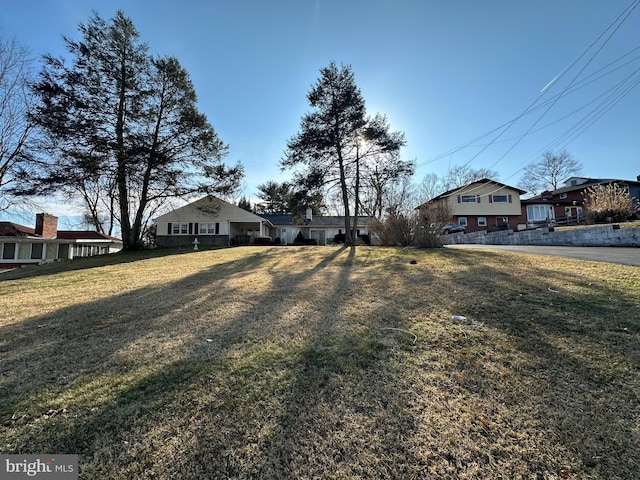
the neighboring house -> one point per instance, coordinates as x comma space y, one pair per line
323, 229
214, 222
482, 205
566, 204
20, 245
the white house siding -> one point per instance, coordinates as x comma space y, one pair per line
25, 250
484, 206
230, 224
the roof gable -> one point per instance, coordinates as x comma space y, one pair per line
209, 208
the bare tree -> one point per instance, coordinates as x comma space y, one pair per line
549, 172
430, 187
15, 128
462, 175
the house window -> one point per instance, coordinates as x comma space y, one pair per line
180, 229
563, 196
468, 198
500, 198
9, 251
482, 221
36, 251
539, 213
209, 229
462, 221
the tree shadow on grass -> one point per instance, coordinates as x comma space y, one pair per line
53, 268
303, 379
51, 351
241, 405
569, 362
343, 415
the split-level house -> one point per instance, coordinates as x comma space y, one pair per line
21, 245
566, 204
482, 205
210, 222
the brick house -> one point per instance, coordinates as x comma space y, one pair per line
21, 245
566, 204
482, 205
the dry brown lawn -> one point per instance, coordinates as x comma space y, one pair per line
323, 362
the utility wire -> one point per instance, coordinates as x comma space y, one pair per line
578, 86
630, 9
617, 23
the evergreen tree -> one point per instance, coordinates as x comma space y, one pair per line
126, 125
337, 141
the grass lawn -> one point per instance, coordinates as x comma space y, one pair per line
323, 362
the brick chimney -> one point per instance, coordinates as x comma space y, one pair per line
46, 225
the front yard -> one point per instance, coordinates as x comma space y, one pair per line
324, 362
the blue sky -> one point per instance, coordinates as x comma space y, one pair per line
444, 72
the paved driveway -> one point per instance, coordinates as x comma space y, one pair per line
622, 255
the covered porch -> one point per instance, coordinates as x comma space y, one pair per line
246, 233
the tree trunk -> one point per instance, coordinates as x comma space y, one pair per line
121, 173
354, 235
345, 199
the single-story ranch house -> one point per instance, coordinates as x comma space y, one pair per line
213, 222
20, 245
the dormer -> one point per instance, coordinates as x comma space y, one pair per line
574, 181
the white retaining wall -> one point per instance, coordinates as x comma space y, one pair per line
592, 236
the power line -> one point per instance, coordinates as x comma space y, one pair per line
572, 87
628, 11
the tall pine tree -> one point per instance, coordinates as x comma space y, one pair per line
337, 142
125, 125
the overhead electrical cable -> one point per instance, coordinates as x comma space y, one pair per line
576, 87
619, 22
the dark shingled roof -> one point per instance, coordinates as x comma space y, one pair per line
9, 229
278, 220
84, 235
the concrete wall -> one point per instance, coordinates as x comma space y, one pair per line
592, 236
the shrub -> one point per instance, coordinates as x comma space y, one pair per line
610, 202
394, 230
429, 223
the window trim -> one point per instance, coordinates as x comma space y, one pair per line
14, 248
463, 221
180, 229
34, 251
536, 208
484, 221
212, 228
468, 198
499, 195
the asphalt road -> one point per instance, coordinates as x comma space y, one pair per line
621, 255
